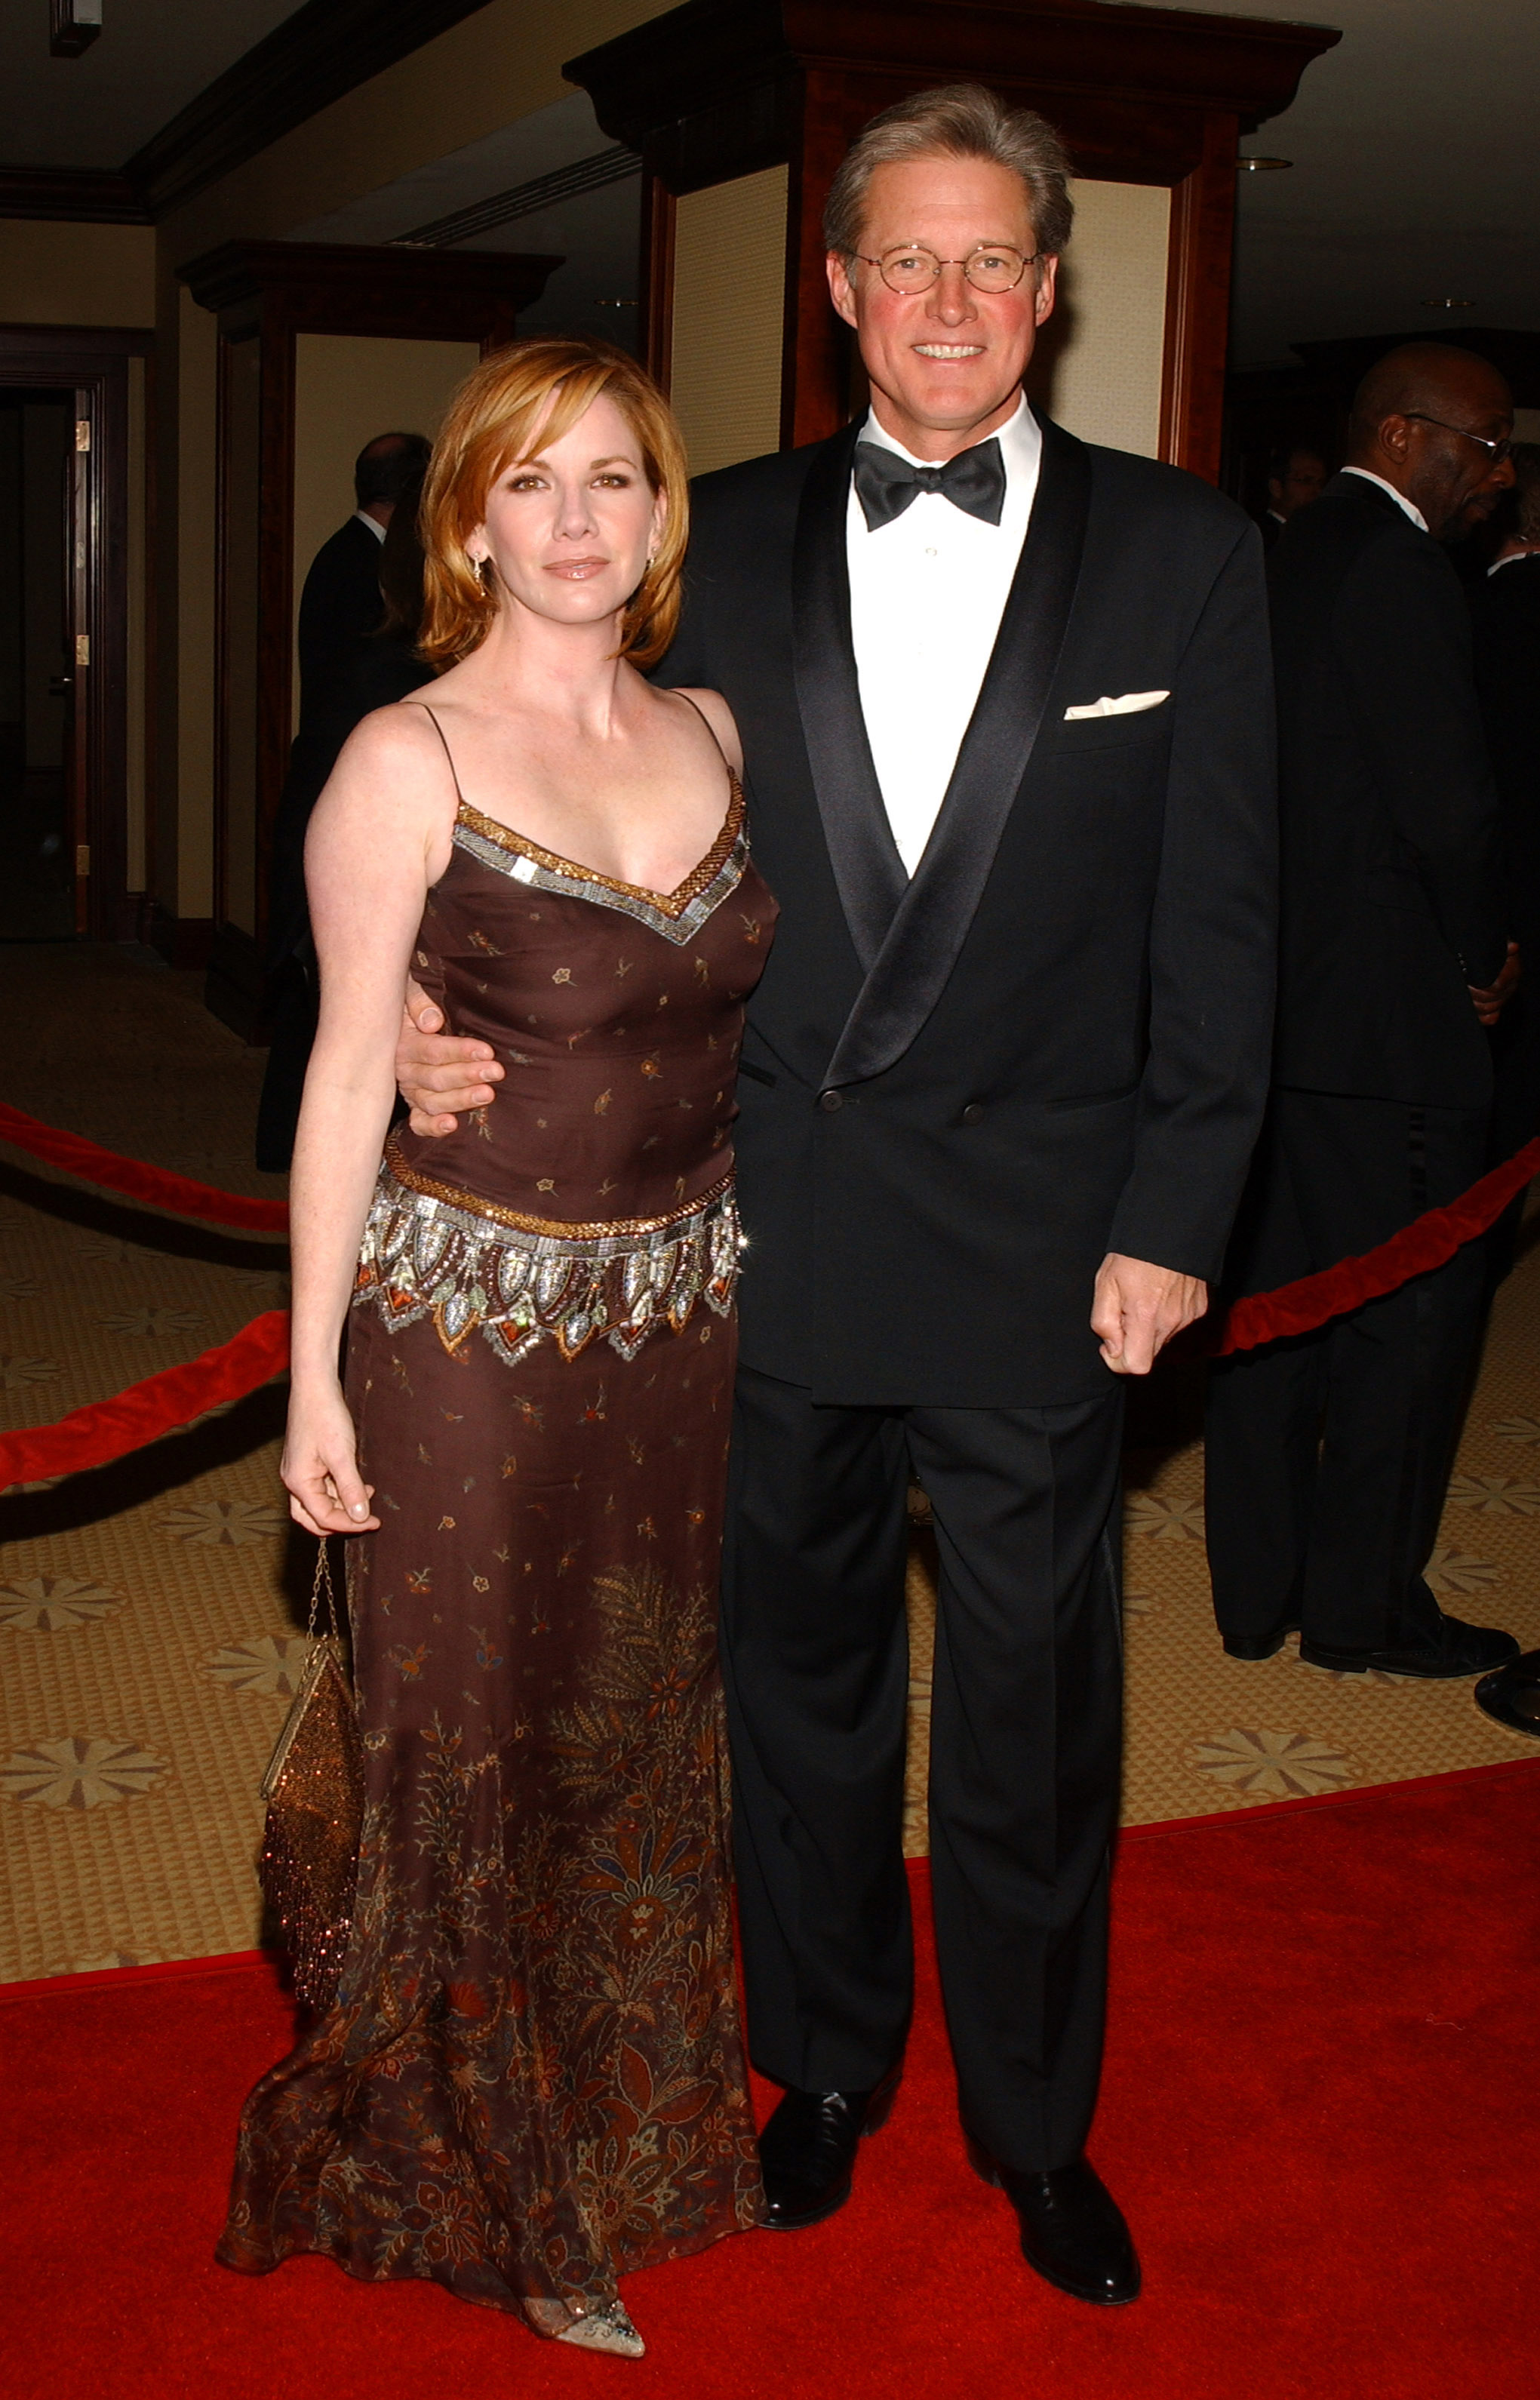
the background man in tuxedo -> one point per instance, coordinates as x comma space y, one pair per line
1005, 704
1328, 1456
341, 601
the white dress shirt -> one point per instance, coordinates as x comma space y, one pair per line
373, 522
1400, 499
927, 592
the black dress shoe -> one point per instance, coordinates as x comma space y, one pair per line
1267, 1647
1072, 2231
806, 2151
1512, 1694
1451, 1649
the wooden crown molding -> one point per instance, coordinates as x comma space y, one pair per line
335, 286
322, 51
84, 347
72, 195
662, 86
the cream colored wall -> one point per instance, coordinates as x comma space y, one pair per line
729, 272
197, 452
495, 66
348, 387
75, 274
1102, 362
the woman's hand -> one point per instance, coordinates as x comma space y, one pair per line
321, 1468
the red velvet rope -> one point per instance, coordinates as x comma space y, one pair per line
108, 1429
1429, 1241
177, 1192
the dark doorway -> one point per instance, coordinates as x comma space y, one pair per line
36, 666
77, 409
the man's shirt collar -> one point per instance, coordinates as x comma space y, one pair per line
1020, 440
1400, 499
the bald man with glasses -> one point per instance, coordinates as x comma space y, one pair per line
1328, 1455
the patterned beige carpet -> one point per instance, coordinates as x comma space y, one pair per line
148, 1611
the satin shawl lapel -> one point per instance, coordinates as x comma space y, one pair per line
867, 868
931, 924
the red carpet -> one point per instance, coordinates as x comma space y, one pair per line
1320, 2111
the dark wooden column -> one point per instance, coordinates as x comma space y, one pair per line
719, 89
263, 294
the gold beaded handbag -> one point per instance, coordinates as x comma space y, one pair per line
314, 1791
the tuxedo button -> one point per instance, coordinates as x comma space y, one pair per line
974, 1112
830, 1101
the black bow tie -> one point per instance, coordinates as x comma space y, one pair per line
974, 481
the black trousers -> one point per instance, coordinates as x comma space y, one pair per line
1025, 1745
1328, 1455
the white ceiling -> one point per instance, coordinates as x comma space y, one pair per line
1416, 177
150, 58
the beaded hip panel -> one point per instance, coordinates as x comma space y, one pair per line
524, 1281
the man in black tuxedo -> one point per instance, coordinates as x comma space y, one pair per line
1506, 617
1506, 612
1005, 700
341, 601
1328, 1455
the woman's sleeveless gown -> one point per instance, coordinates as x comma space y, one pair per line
533, 2078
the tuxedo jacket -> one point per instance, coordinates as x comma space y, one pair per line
1505, 609
1391, 904
956, 1093
341, 602
1505, 612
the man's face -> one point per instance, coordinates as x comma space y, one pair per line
1448, 474
946, 364
1305, 481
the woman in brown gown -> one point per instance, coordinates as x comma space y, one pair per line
532, 2080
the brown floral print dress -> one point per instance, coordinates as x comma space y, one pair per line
533, 2078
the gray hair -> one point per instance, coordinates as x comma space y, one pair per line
957, 120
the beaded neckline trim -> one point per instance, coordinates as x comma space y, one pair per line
677, 915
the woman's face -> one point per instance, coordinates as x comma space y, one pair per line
568, 529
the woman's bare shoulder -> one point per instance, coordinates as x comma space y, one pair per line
718, 716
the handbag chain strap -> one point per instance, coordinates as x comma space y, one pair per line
323, 1584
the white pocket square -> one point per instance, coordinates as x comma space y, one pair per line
1125, 704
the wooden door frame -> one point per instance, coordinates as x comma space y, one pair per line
92, 361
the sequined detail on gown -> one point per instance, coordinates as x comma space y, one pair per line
533, 2080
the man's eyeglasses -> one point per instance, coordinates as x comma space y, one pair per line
1496, 451
995, 266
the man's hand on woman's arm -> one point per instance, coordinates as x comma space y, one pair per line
440, 1074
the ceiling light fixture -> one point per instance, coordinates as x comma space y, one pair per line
73, 26
1261, 166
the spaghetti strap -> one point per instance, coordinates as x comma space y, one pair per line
447, 752
699, 713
